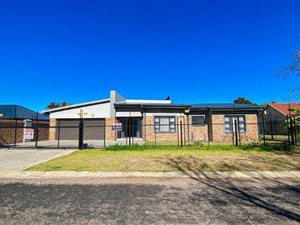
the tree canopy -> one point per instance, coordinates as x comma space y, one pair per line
242, 100
53, 105
295, 66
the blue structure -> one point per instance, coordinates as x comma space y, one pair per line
20, 112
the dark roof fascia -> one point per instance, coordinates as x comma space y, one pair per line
164, 107
151, 106
192, 108
227, 108
236, 110
77, 106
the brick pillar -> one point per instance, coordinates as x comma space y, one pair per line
109, 133
52, 129
148, 134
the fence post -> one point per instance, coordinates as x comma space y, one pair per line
288, 129
16, 131
271, 128
236, 133
128, 133
292, 130
37, 129
132, 131
177, 129
154, 135
263, 127
104, 134
184, 134
80, 140
295, 129
58, 134
239, 132
181, 137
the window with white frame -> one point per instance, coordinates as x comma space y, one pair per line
164, 124
198, 120
231, 122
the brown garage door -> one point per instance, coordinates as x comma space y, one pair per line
93, 129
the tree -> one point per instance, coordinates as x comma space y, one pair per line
292, 69
53, 105
242, 100
295, 66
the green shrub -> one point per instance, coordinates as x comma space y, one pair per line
198, 143
213, 147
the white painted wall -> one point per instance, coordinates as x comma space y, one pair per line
148, 101
128, 114
163, 114
101, 110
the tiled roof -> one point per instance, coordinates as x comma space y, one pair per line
284, 107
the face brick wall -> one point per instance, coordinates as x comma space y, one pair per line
109, 133
52, 129
8, 132
219, 134
200, 133
43, 130
189, 133
149, 134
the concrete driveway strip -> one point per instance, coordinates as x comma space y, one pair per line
18, 160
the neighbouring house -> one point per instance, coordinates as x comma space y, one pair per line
14, 119
153, 120
275, 116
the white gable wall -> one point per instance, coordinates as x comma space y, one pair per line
93, 111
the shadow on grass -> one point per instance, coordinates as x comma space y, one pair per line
228, 188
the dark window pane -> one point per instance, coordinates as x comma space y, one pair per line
198, 120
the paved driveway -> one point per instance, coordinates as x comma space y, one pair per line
16, 160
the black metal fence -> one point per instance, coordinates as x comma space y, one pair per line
17, 134
284, 130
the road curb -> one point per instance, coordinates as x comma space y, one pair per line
188, 174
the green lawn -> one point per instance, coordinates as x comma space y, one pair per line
277, 137
172, 158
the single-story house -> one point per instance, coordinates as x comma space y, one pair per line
14, 119
275, 116
153, 120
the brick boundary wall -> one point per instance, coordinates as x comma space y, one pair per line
7, 134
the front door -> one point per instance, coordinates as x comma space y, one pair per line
131, 127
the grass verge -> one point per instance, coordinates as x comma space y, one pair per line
146, 158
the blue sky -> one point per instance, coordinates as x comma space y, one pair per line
193, 51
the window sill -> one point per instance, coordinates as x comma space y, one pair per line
166, 132
234, 132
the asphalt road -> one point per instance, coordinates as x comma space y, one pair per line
149, 201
